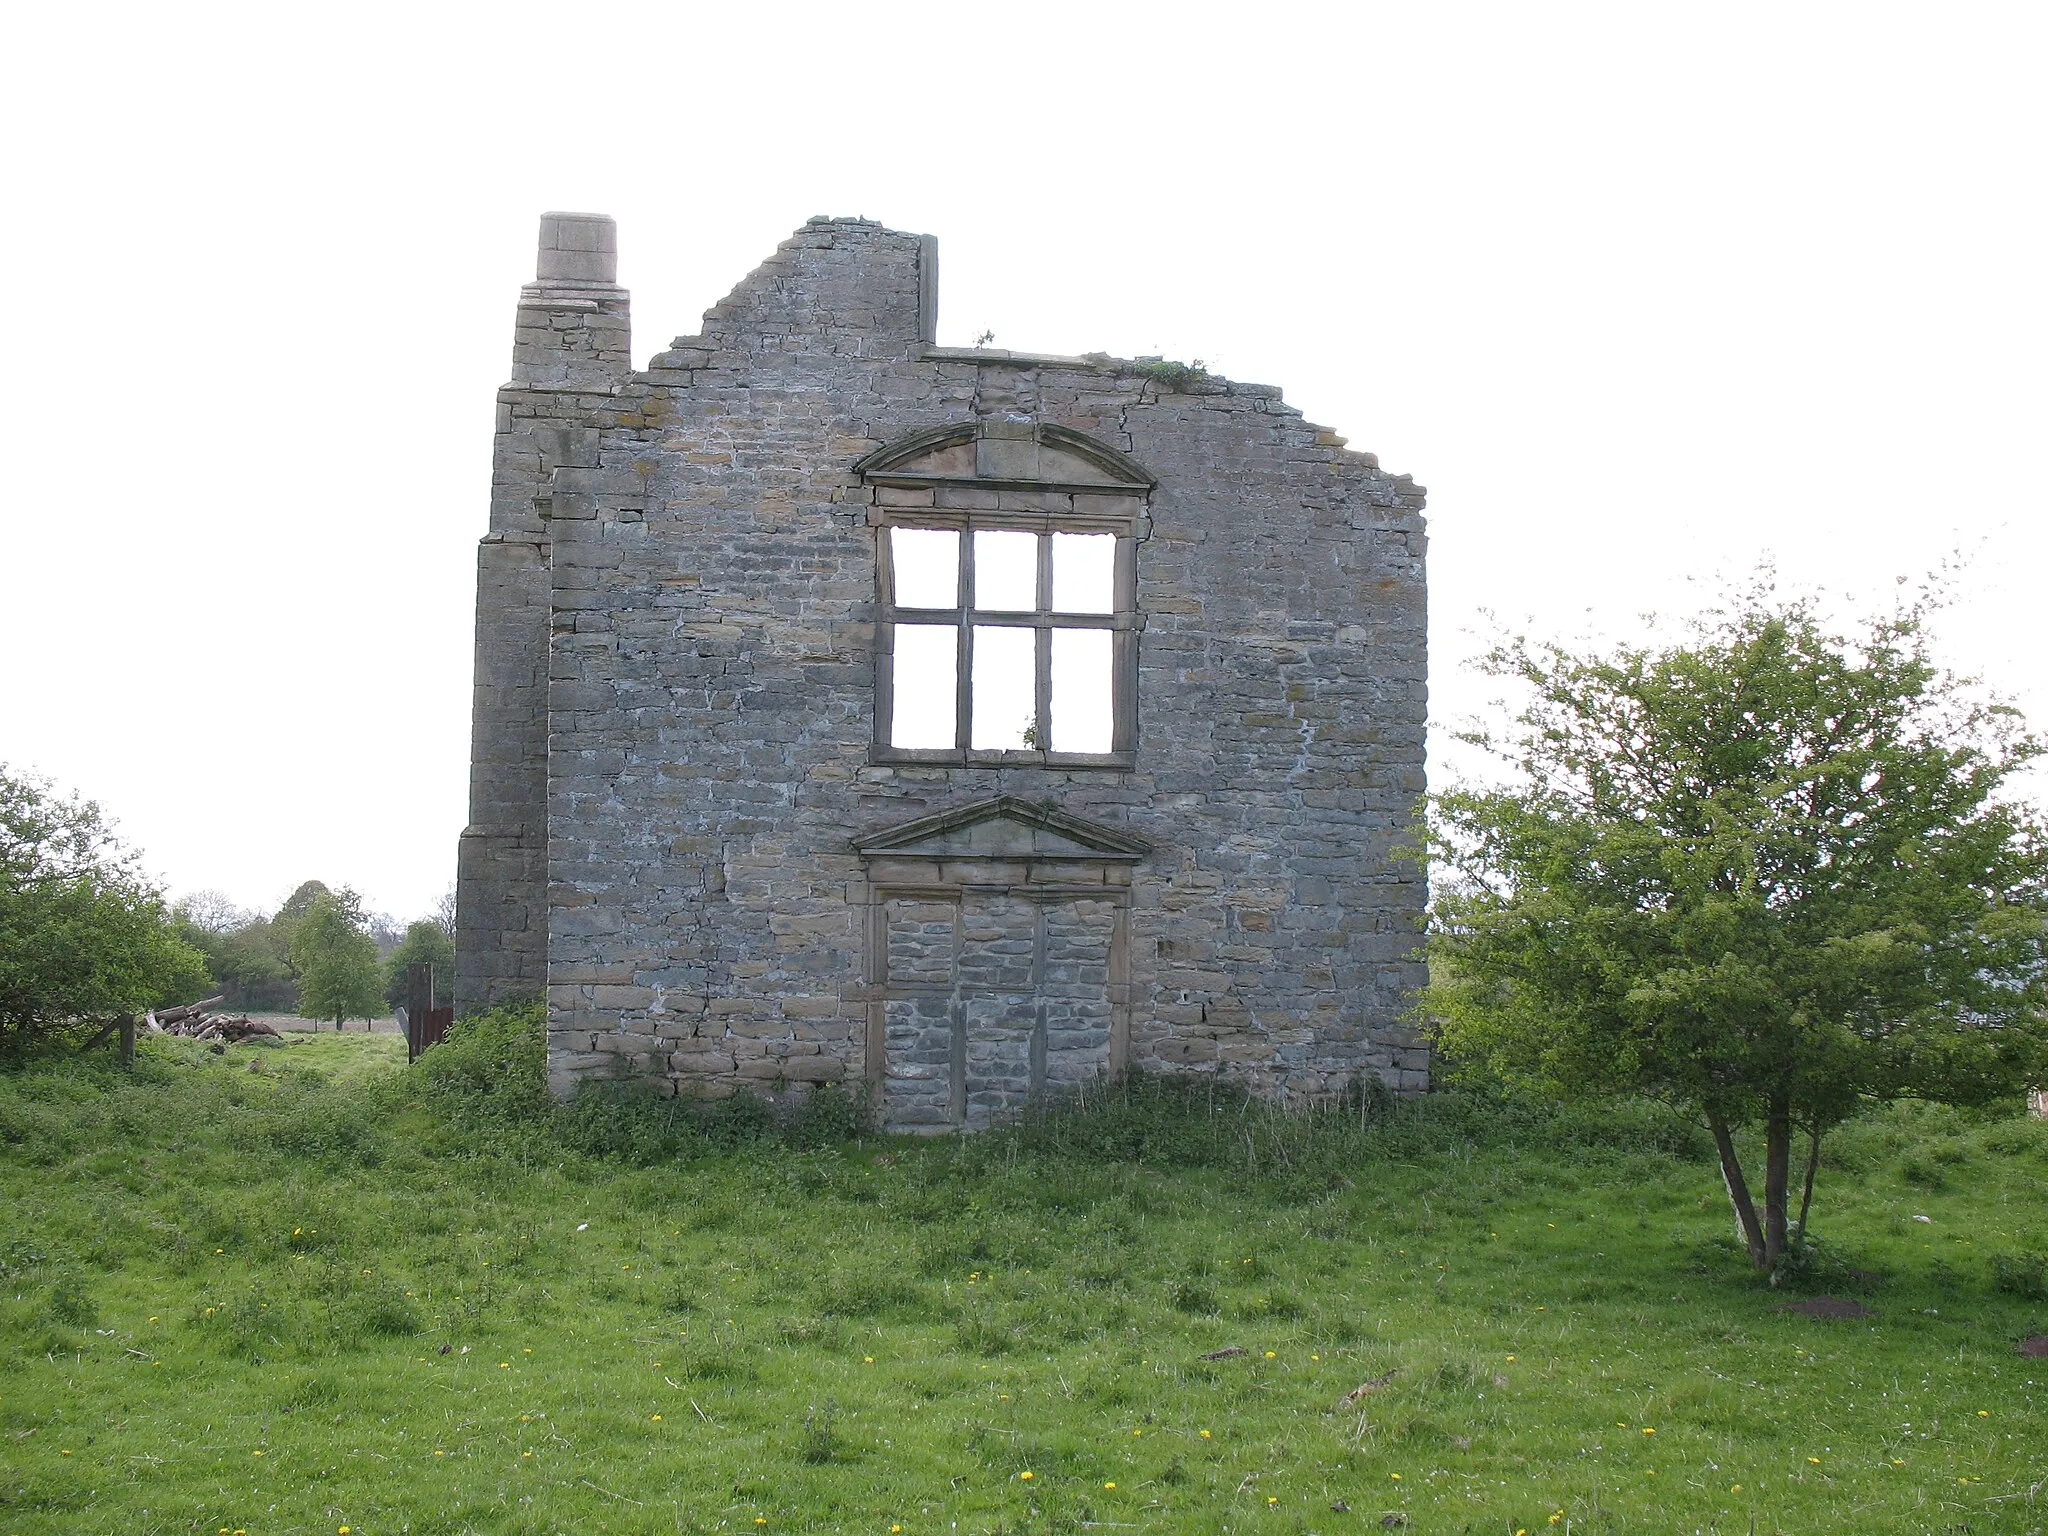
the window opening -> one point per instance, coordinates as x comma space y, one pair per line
1005, 706
1084, 572
1033, 622
1083, 714
1005, 571
927, 565
927, 664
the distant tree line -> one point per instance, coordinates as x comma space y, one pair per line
320, 954
86, 936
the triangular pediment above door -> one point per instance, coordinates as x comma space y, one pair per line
1005, 827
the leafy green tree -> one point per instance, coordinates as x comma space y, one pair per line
239, 950
284, 922
1765, 873
84, 935
424, 941
337, 963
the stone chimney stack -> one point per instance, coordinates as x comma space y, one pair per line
575, 322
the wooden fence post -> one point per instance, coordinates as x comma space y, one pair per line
419, 1000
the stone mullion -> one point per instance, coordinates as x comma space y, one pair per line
1041, 717
963, 666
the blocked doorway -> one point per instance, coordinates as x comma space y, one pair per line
993, 979
991, 996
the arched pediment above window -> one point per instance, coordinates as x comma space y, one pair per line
1005, 453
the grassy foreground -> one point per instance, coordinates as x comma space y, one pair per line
301, 1289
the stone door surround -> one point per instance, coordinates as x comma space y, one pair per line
998, 960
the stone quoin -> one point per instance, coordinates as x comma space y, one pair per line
955, 723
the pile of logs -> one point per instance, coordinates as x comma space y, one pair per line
197, 1021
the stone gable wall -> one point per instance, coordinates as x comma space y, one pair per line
701, 695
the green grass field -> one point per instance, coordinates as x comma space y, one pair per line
294, 1290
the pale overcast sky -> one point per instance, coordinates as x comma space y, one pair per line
1641, 293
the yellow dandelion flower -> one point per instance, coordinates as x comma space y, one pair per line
1271, 1502
1735, 1487
1110, 1486
152, 1319
1270, 1355
255, 1453
525, 1454
1205, 1434
1813, 1461
1023, 1477
1982, 1413
867, 1359
1649, 1431
1395, 1476
1511, 1359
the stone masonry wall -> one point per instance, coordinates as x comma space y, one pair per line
709, 650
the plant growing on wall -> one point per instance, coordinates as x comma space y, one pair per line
1765, 873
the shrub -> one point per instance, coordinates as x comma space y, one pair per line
492, 1067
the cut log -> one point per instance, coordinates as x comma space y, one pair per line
186, 1010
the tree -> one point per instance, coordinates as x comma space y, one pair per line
337, 963
424, 941
284, 923
1765, 874
84, 935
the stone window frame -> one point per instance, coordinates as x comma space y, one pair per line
997, 497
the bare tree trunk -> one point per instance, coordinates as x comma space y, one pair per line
1812, 1166
1738, 1190
1777, 1176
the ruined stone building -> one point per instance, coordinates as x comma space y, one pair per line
959, 723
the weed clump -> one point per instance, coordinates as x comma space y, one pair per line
821, 1443
2024, 1275
1304, 1152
